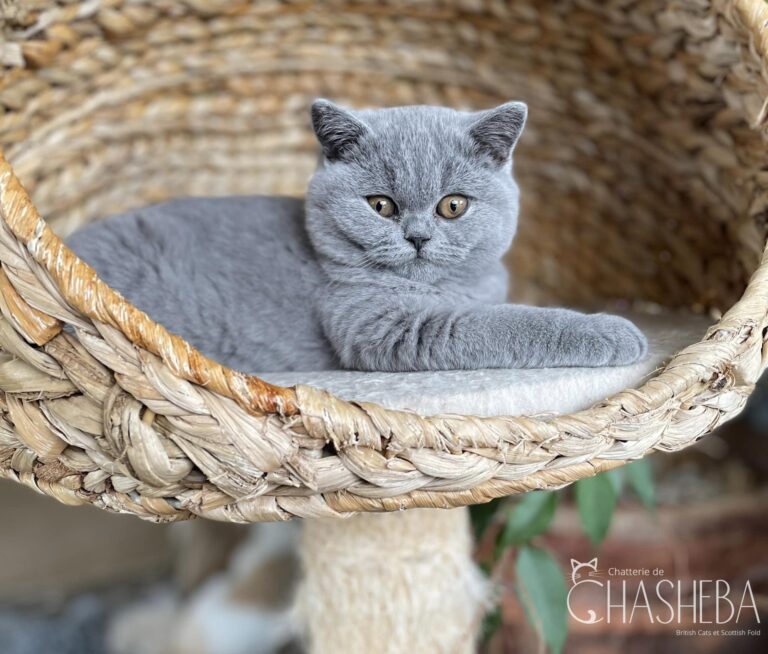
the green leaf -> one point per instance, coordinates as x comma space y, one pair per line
482, 516
640, 478
530, 516
543, 593
596, 499
617, 479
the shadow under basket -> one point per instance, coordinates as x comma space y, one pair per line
643, 172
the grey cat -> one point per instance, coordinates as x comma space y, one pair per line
392, 263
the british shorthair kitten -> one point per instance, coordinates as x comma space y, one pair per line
393, 262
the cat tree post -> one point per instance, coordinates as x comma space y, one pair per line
390, 583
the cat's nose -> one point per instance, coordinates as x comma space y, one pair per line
418, 241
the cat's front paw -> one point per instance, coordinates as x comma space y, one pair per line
605, 340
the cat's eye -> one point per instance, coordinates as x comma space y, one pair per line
382, 205
452, 206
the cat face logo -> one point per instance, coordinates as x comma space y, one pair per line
583, 573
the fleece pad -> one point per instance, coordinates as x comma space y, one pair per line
507, 392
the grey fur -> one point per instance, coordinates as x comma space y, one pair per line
260, 286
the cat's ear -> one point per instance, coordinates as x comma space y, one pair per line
495, 132
336, 128
593, 563
574, 564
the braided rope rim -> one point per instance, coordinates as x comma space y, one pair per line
178, 434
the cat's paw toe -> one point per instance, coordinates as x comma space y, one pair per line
621, 342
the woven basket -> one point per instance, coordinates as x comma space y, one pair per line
643, 177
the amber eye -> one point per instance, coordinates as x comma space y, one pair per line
452, 206
382, 205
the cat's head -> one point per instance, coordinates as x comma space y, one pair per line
422, 192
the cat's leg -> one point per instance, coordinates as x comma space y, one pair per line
422, 333
560, 337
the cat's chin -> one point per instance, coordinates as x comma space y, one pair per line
419, 269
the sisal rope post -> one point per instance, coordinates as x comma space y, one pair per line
390, 583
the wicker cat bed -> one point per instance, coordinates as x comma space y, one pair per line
643, 177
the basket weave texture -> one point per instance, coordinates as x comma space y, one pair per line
643, 177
